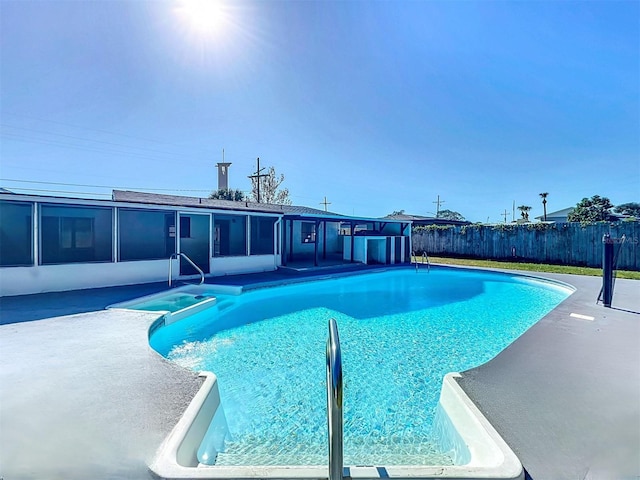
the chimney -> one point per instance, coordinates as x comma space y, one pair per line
223, 175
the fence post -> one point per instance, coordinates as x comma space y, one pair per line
607, 270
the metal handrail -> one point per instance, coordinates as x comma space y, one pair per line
334, 402
424, 260
177, 255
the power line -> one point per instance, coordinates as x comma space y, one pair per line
74, 137
83, 128
96, 149
101, 186
62, 191
56, 143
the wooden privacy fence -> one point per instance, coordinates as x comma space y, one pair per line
558, 243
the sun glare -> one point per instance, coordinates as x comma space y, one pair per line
204, 17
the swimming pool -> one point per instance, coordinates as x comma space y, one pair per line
401, 333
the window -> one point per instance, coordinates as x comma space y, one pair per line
146, 234
185, 227
16, 234
76, 234
262, 235
308, 232
229, 235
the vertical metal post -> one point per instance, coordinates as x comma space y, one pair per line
334, 402
315, 245
353, 233
291, 240
607, 270
324, 236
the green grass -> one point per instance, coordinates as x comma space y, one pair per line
530, 267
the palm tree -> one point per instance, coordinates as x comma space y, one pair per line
544, 204
524, 210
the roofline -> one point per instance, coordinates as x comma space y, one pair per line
339, 218
77, 201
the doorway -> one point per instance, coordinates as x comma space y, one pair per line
194, 242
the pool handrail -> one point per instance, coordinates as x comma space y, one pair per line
183, 255
334, 402
424, 260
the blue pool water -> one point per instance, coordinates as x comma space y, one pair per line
401, 332
171, 302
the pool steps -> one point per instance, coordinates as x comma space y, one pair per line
476, 447
207, 300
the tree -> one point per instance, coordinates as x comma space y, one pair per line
450, 215
632, 209
524, 211
544, 205
270, 191
395, 213
227, 194
594, 209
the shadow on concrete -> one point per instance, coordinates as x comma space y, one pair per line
624, 310
26, 308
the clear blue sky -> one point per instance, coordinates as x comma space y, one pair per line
377, 105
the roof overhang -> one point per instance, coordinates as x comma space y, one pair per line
341, 218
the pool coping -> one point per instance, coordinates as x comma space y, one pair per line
490, 456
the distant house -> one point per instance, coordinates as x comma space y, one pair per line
418, 220
561, 216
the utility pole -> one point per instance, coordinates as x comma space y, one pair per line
438, 203
325, 203
505, 215
258, 176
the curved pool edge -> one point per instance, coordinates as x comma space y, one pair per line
537, 276
169, 317
489, 455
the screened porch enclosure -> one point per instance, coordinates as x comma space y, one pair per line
315, 241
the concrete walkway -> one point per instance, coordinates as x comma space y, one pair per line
566, 395
84, 396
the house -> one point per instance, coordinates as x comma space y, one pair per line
561, 216
418, 220
52, 243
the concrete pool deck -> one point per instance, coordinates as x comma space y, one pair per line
565, 396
